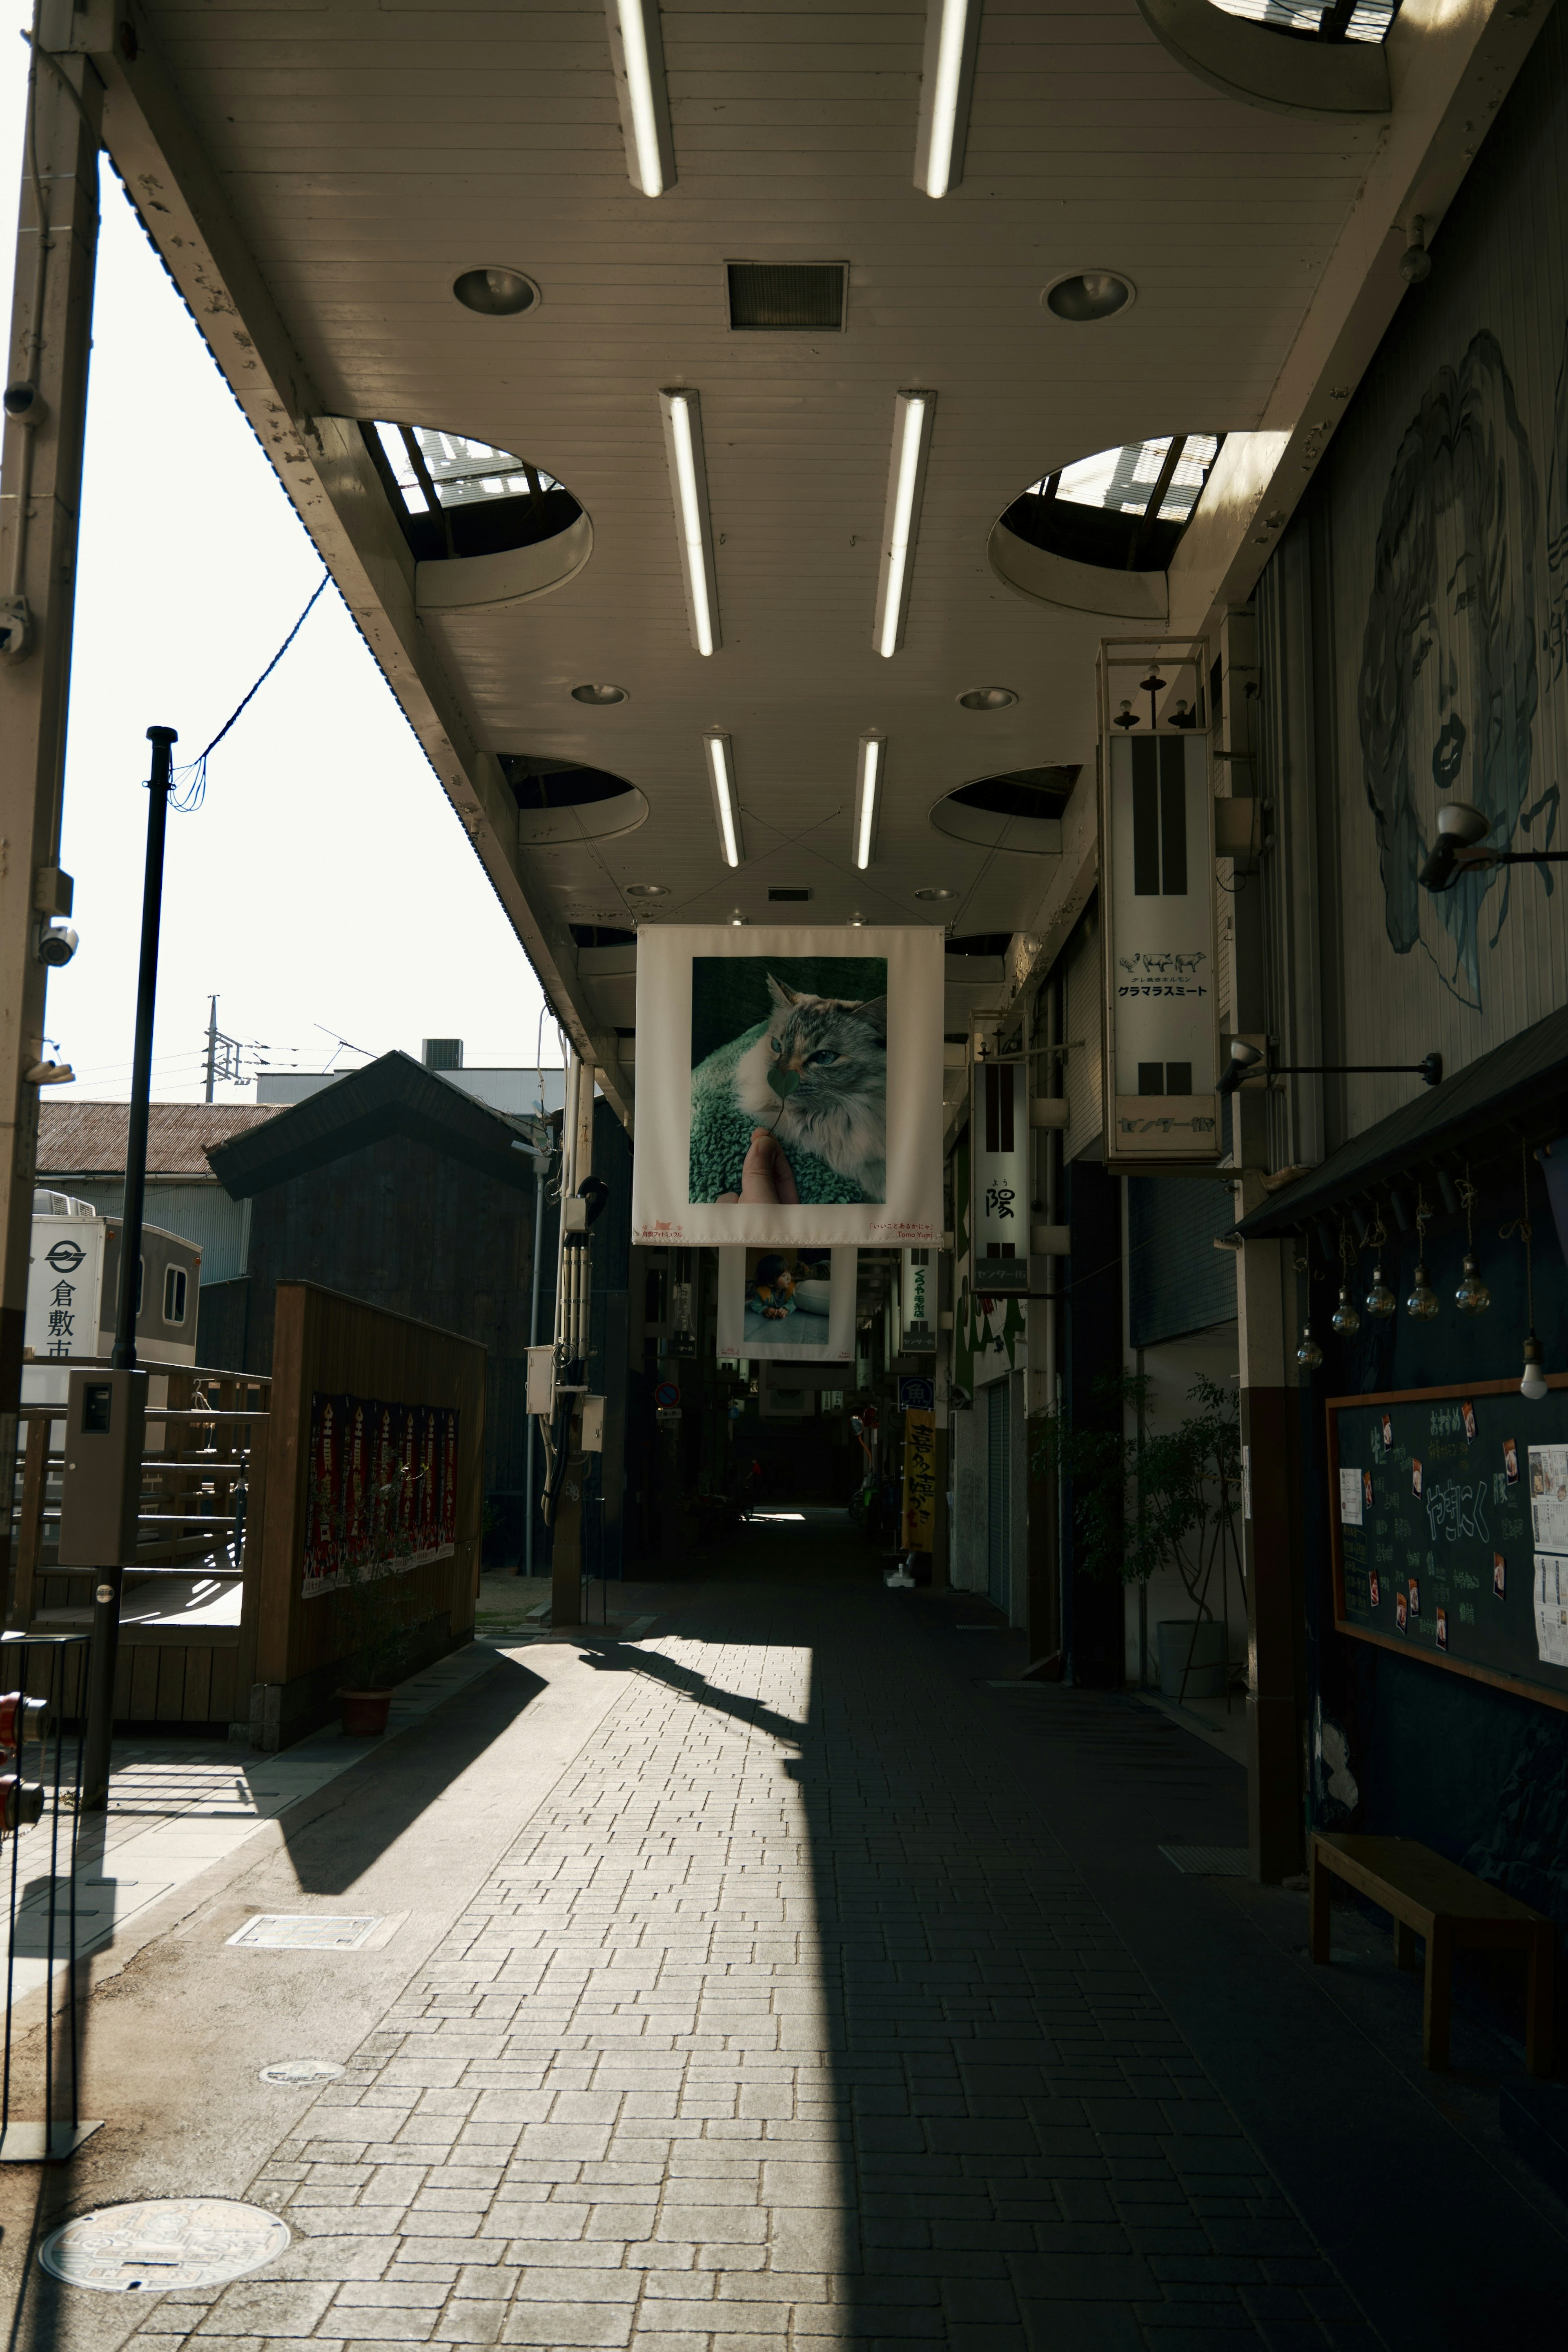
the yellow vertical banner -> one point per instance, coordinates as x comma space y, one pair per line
919, 1481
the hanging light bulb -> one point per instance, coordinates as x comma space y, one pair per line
1472, 1296
1533, 1384
1422, 1302
1346, 1321
1380, 1300
1309, 1353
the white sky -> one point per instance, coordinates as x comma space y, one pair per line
325, 878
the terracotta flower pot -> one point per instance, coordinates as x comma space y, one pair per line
365, 1713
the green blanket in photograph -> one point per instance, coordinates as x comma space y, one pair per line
721, 1135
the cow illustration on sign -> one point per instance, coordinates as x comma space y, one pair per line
1449, 682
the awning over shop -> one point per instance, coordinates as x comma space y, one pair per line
1519, 1088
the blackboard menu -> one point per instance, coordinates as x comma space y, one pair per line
1449, 1511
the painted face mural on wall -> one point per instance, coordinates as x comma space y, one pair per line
1449, 685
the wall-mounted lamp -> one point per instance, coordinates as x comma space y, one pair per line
912, 416
1249, 1062
1415, 262
637, 54
726, 807
688, 486
946, 79
868, 797
1459, 849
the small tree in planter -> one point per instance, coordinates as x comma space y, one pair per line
1151, 1501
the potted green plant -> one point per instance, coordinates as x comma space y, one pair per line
1144, 1501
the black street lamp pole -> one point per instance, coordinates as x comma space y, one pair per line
110, 1577
124, 1357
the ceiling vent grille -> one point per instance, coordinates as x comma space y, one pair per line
786, 298
793, 897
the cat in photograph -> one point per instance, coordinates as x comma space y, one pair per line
835, 1050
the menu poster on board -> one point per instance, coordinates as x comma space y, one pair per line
1552, 1608
1548, 1497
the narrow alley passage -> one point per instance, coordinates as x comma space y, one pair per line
780, 1980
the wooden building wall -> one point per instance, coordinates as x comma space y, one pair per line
406, 1228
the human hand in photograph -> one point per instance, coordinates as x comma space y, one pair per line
766, 1179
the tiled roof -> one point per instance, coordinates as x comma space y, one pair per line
88, 1139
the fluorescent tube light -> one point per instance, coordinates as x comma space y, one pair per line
726, 807
637, 51
688, 487
952, 38
905, 482
868, 798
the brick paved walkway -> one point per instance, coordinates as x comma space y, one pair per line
782, 2023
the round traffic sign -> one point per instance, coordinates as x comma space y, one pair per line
666, 1395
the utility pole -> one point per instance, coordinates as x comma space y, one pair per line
212, 1046
45, 416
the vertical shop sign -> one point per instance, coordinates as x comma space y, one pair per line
998, 1177
919, 1294
1162, 1028
919, 1480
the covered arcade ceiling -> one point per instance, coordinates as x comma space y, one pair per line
320, 178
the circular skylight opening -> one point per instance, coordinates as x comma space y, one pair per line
496, 293
1123, 509
599, 697
483, 526
563, 801
988, 698
1022, 811
1088, 295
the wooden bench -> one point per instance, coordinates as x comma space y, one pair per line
1431, 1897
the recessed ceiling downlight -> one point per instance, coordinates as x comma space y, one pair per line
1088, 294
496, 293
647, 889
935, 891
600, 696
988, 698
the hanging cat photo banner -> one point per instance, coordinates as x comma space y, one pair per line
788, 1086
795, 1305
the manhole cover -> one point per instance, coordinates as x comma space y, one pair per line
301, 2070
306, 1931
169, 2241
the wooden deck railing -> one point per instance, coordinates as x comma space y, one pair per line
203, 1515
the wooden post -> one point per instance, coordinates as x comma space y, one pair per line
51, 326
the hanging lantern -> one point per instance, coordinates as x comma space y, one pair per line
1346, 1321
1533, 1384
1308, 1354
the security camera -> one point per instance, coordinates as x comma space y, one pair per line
58, 942
959, 1400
